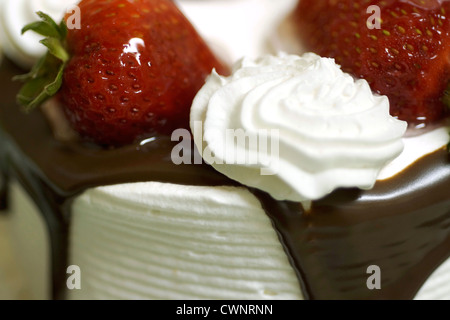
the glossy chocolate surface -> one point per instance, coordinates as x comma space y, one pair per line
402, 225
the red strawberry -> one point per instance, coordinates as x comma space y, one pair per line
408, 59
132, 69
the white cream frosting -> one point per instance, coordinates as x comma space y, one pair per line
14, 15
115, 227
333, 132
415, 148
165, 241
120, 235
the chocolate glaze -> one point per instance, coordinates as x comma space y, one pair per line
401, 225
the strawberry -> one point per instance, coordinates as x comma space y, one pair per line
130, 72
407, 59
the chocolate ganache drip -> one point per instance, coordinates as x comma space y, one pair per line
402, 225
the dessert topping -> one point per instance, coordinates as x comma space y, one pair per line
129, 72
407, 58
332, 130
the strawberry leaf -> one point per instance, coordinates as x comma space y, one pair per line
39, 88
35, 71
55, 48
63, 30
45, 78
48, 20
41, 28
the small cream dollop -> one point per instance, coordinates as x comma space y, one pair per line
331, 130
25, 49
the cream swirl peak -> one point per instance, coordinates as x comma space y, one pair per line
14, 15
333, 131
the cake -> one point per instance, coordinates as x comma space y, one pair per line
141, 227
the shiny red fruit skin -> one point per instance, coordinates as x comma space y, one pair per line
408, 59
135, 68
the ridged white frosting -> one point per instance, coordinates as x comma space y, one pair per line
333, 132
119, 247
437, 287
14, 15
164, 241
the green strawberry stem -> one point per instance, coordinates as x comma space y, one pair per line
45, 78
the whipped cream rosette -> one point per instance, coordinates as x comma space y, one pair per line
331, 130
25, 49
